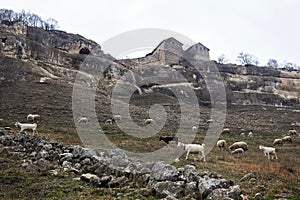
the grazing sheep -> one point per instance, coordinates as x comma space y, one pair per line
210, 121
194, 129
149, 121
82, 120
27, 127
116, 118
238, 151
286, 139
292, 132
236, 145
250, 134
108, 121
242, 134
194, 148
168, 139
268, 151
226, 130
222, 144
278, 142
35, 117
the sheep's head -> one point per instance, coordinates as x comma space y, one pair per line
16, 124
261, 147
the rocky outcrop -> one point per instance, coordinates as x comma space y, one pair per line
113, 168
33, 54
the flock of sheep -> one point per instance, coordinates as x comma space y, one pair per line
236, 148
270, 152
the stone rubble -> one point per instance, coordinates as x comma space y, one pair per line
113, 168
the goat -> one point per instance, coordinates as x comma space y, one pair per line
193, 148
278, 142
221, 144
149, 121
82, 120
268, 150
286, 139
27, 127
236, 145
168, 139
31, 117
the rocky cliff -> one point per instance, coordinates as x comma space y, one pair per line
29, 54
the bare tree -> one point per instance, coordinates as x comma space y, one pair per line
29, 19
289, 66
222, 59
273, 63
247, 59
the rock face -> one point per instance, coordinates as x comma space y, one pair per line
101, 169
33, 54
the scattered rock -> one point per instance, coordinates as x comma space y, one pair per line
248, 177
163, 172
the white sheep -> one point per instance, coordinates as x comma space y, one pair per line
286, 139
116, 118
226, 130
238, 151
149, 121
278, 142
242, 134
250, 134
108, 121
194, 129
292, 132
222, 144
31, 117
82, 120
23, 127
236, 145
193, 148
268, 151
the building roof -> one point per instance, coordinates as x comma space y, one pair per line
197, 44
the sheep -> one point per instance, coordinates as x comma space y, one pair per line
242, 134
278, 142
286, 139
221, 144
168, 139
236, 145
226, 130
250, 134
268, 151
23, 127
194, 148
31, 117
149, 121
116, 118
108, 121
194, 129
210, 121
82, 120
238, 151
292, 132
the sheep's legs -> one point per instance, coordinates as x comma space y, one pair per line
187, 155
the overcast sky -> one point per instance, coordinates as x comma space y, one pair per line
264, 28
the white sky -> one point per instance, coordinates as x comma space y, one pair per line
264, 28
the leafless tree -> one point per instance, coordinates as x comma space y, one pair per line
273, 63
247, 59
222, 59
